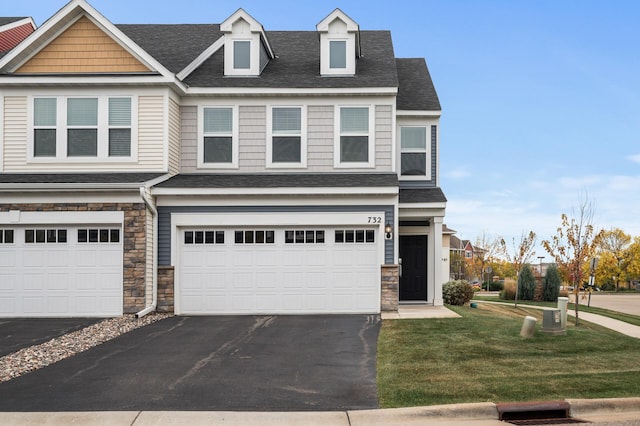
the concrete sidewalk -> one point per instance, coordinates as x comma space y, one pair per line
610, 323
617, 411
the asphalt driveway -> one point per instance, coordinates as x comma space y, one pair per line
18, 333
236, 363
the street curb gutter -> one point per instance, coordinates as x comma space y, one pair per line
586, 407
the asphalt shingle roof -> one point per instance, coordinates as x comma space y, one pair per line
174, 46
4, 20
79, 178
416, 91
297, 64
424, 195
283, 180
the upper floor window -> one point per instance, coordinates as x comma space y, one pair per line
218, 147
413, 151
241, 55
82, 127
338, 54
287, 147
355, 142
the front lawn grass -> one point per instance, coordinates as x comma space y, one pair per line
482, 358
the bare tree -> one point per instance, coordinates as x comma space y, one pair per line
488, 249
522, 253
574, 244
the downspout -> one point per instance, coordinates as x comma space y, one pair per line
154, 299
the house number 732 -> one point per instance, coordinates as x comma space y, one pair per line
375, 219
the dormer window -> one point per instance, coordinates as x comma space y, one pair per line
337, 54
241, 55
246, 48
339, 45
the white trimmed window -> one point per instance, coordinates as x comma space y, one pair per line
413, 151
218, 143
82, 128
337, 54
354, 146
241, 55
287, 145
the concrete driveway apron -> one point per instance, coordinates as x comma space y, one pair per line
18, 333
237, 363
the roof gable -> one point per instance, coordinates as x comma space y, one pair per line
82, 48
74, 23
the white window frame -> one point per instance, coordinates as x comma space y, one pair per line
235, 130
62, 127
426, 151
303, 138
371, 139
244, 69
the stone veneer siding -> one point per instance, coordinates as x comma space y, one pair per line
134, 242
166, 289
390, 285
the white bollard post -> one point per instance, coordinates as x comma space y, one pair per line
562, 305
528, 327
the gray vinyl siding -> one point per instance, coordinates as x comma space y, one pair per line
164, 221
252, 138
384, 138
320, 135
405, 184
188, 139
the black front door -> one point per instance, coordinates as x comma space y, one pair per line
413, 282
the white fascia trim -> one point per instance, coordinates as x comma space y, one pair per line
84, 80
279, 219
408, 113
287, 91
276, 191
417, 206
17, 217
209, 51
19, 23
22, 187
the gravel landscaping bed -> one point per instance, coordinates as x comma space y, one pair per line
32, 358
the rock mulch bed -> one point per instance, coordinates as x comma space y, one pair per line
34, 357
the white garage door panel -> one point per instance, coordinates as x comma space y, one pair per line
62, 277
278, 277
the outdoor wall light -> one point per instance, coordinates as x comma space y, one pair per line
388, 231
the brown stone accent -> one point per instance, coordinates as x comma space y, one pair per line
165, 288
389, 291
134, 245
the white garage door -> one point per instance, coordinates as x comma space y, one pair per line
281, 270
60, 271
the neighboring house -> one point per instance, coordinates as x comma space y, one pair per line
13, 31
447, 234
216, 169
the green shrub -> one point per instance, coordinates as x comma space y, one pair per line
509, 290
526, 283
495, 285
551, 286
457, 292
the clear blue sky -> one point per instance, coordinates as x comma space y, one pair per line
540, 98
